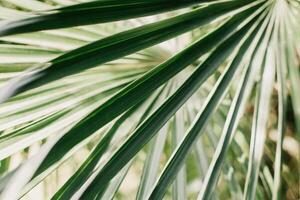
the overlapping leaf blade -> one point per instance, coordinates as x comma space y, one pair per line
125, 43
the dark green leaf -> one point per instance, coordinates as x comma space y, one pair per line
93, 13
150, 127
116, 46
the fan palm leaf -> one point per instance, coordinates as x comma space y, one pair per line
197, 99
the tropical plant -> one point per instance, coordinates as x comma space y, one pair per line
149, 99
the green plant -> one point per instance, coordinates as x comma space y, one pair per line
202, 95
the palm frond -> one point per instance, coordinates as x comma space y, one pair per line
152, 99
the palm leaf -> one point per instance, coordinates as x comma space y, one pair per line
132, 97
